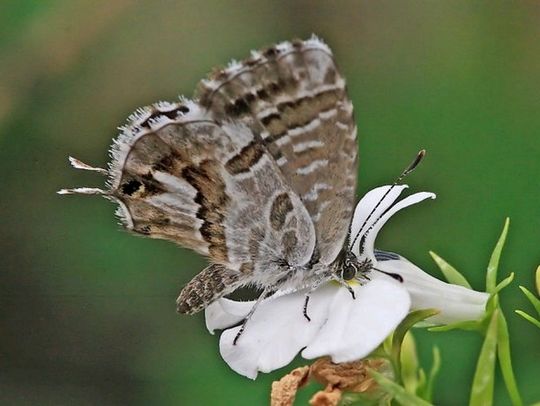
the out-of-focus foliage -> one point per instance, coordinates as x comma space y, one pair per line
88, 312
534, 301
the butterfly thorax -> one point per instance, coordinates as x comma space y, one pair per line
346, 267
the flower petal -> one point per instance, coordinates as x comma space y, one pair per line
356, 327
408, 201
456, 303
276, 332
368, 203
225, 313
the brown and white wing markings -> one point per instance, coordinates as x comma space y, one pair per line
294, 97
182, 176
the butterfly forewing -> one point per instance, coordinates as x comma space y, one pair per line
210, 186
294, 98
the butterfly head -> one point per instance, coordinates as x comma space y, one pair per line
354, 268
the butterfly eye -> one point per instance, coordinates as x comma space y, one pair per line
349, 271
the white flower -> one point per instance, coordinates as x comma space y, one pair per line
344, 328
455, 303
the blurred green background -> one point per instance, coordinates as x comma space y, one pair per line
88, 311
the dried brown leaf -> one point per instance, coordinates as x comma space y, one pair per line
349, 376
337, 378
284, 391
328, 397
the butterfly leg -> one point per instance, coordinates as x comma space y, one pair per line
305, 307
308, 296
265, 293
315, 286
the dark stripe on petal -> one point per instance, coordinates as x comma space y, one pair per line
386, 256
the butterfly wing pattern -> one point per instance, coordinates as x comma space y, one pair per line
258, 173
293, 96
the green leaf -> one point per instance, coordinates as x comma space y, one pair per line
493, 266
535, 301
387, 345
505, 360
538, 280
529, 318
435, 367
398, 392
399, 334
365, 399
470, 325
483, 381
504, 283
493, 300
421, 379
409, 364
451, 274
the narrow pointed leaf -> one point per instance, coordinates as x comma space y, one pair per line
538, 280
422, 380
462, 325
493, 266
409, 364
504, 283
362, 399
484, 377
451, 274
398, 392
505, 360
387, 344
435, 366
493, 301
535, 301
529, 318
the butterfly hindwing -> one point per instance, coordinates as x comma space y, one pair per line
293, 96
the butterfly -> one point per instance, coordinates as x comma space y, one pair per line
258, 173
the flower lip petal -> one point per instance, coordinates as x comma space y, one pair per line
368, 203
276, 332
356, 327
225, 313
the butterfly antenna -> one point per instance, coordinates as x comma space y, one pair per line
412, 166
